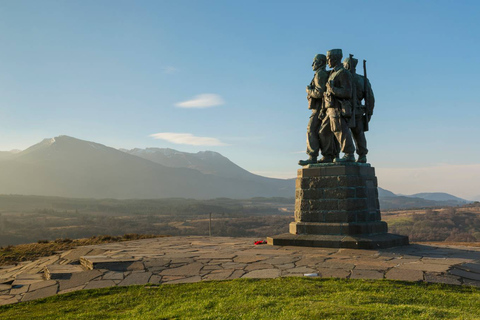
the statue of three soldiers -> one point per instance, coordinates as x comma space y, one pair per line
338, 116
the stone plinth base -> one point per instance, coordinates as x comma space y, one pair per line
336, 206
352, 228
379, 241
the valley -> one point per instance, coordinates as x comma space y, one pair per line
26, 219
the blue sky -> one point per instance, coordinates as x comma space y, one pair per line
123, 73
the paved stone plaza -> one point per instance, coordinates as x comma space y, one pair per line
191, 259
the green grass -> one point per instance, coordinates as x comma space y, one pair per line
282, 298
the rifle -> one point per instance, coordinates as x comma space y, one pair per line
351, 122
366, 118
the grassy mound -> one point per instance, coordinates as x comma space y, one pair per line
281, 298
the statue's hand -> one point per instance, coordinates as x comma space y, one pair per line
346, 114
329, 88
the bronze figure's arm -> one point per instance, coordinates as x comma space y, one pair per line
316, 91
344, 91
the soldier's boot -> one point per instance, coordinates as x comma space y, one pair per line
311, 160
348, 157
337, 157
362, 159
326, 159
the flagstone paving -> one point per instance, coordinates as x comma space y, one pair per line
192, 259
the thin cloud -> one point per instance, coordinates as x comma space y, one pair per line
187, 138
169, 70
205, 100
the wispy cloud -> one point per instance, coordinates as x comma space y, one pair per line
205, 100
187, 138
169, 70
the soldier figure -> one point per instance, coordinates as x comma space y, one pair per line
339, 111
363, 113
315, 93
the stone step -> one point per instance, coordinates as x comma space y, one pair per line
29, 276
351, 228
8, 266
470, 267
379, 241
61, 272
4, 286
105, 262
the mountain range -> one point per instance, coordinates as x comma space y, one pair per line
70, 167
389, 200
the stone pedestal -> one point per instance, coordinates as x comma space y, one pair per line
337, 206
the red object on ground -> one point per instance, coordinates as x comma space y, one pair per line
260, 242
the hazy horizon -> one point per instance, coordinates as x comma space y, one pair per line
443, 178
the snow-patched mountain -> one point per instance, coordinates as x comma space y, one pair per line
70, 167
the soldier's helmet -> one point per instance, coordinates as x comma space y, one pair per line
335, 52
350, 63
320, 58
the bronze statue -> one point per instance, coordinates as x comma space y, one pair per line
363, 113
336, 205
339, 111
315, 91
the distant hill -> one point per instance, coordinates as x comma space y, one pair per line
69, 167
207, 162
403, 202
384, 193
389, 200
438, 196
8, 154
